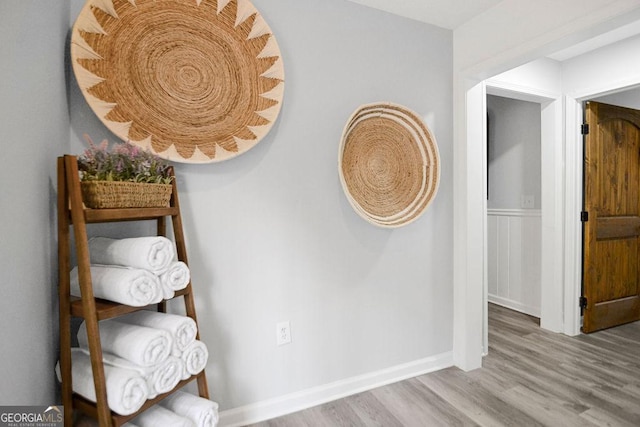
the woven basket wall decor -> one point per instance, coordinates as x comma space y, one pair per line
389, 164
194, 81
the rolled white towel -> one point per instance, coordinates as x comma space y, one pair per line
183, 329
138, 344
160, 378
174, 279
203, 412
158, 416
131, 286
165, 376
153, 253
195, 358
126, 389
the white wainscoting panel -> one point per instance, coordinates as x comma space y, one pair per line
514, 252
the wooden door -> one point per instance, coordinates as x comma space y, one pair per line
612, 226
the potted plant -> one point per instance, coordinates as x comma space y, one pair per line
123, 176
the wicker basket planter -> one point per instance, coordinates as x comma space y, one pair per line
123, 194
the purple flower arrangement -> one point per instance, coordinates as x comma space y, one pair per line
123, 162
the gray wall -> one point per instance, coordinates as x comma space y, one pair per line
35, 129
271, 236
514, 152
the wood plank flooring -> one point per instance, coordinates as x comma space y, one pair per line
531, 377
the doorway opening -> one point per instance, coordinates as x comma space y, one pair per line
514, 220
561, 201
611, 284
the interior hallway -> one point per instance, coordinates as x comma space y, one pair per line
531, 377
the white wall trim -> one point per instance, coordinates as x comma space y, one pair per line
552, 285
515, 212
308, 398
514, 305
469, 215
498, 87
573, 206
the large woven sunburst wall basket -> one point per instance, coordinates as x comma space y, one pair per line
389, 164
194, 81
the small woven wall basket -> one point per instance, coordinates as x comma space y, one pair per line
194, 81
388, 164
124, 194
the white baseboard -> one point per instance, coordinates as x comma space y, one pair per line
514, 305
308, 398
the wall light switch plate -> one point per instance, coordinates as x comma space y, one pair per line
527, 202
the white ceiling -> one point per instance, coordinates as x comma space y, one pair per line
610, 37
443, 13
453, 13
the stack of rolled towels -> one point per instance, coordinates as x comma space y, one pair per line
136, 271
145, 354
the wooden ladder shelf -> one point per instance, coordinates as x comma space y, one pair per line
72, 213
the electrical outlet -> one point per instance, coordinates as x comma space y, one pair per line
283, 333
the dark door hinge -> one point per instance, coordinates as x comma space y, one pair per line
584, 129
583, 302
584, 216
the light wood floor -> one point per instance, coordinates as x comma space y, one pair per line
531, 377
